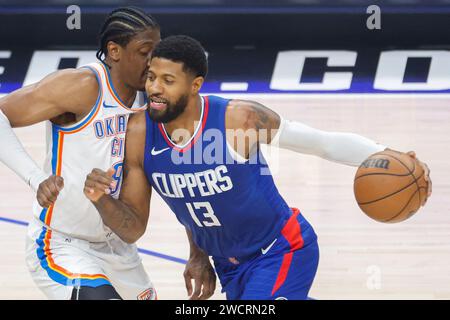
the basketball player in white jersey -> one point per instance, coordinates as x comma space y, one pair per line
71, 253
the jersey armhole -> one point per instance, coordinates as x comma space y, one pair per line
94, 110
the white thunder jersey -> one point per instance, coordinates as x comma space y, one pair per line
97, 141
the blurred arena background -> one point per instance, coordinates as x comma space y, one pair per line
315, 61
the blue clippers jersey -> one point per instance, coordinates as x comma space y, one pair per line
232, 209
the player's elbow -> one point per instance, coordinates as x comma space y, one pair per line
130, 239
134, 236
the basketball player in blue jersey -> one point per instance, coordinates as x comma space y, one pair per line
186, 148
70, 253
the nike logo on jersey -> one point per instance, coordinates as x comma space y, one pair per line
264, 251
108, 105
156, 152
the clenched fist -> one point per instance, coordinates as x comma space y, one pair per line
48, 191
98, 183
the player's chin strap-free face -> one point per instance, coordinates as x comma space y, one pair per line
342, 147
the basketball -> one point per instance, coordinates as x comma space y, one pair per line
390, 187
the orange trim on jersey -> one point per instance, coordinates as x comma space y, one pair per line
48, 216
52, 265
60, 151
86, 121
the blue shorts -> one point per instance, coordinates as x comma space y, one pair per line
284, 272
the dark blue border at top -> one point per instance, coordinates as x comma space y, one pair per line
233, 10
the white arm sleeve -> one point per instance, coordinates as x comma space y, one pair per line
14, 156
346, 148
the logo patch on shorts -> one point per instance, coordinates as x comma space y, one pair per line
149, 294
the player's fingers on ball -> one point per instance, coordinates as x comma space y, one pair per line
427, 178
427, 172
411, 154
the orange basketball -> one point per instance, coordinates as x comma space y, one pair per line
390, 187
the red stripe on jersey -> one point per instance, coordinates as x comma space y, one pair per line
197, 136
292, 233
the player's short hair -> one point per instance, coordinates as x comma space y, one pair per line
184, 49
121, 25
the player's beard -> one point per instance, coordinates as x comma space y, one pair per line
171, 112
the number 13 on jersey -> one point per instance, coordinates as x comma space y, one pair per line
203, 209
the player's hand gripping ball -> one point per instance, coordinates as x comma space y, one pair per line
391, 186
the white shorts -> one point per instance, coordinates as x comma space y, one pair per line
59, 263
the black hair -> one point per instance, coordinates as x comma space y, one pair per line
183, 49
121, 25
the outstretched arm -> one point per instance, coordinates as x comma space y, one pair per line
270, 128
342, 147
127, 216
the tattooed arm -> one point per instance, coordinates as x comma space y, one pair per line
128, 216
262, 125
251, 124
248, 124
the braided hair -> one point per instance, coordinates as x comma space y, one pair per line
121, 26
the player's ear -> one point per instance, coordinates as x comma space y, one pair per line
114, 50
197, 84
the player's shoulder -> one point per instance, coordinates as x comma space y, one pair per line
74, 86
135, 137
79, 78
240, 114
136, 123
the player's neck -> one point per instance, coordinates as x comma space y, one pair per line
189, 119
126, 94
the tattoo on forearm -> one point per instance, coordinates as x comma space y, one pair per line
118, 217
127, 220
